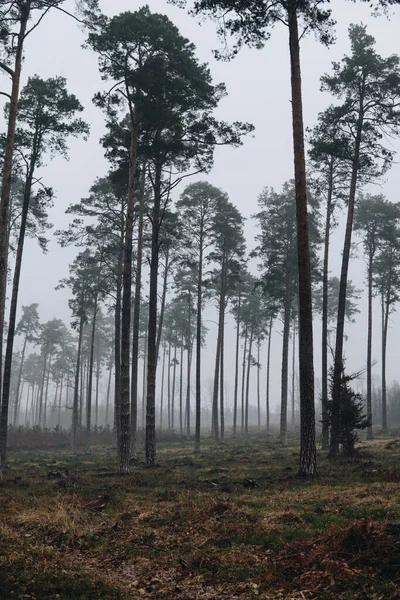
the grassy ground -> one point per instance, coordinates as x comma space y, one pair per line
196, 528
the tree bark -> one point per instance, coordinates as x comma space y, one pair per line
324, 340
236, 386
16, 406
308, 456
385, 325
75, 401
267, 408
90, 381
198, 340
189, 368
25, 10
162, 387
124, 445
181, 392
370, 434
222, 391
258, 386
246, 422
338, 359
244, 378
136, 320
173, 389
150, 446
293, 376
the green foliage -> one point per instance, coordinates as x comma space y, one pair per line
351, 413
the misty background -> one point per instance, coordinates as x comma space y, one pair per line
258, 88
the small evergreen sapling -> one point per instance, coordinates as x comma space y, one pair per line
351, 412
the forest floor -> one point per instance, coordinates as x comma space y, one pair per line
234, 522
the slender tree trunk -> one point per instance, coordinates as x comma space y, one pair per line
5, 395
144, 381
162, 387
244, 378
42, 389
385, 325
25, 10
46, 396
16, 406
338, 359
246, 423
324, 340
189, 368
285, 355
96, 423
117, 348
60, 400
136, 320
90, 380
293, 376
222, 382
258, 385
108, 395
236, 386
169, 386
150, 449
370, 435
181, 391
173, 390
267, 407
198, 341
308, 455
163, 301
124, 443
215, 420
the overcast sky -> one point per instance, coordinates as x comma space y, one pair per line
258, 91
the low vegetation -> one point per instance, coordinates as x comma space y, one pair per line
233, 522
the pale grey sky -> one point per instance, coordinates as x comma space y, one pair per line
258, 91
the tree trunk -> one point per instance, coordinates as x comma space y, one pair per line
221, 311
173, 390
246, 423
385, 325
75, 402
96, 423
169, 386
370, 434
338, 359
108, 395
244, 378
25, 10
150, 449
144, 381
163, 301
181, 391
267, 408
60, 400
198, 342
324, 340
258, 385
162, 387
117, 347
42, 389
136, 320
308, 456
5, 396
293, 376
124, 445
16, 406
236, 386
222, 382
189, 368
90, 381
285, 357
46, 396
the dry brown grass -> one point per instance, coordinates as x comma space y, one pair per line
191, 530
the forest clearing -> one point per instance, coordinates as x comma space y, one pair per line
235, 521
